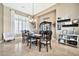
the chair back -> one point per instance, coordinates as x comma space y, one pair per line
45, 30
49, 35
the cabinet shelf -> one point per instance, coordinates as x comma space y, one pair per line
70, 25
68, 41
63, 20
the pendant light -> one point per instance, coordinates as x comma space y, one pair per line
32, 18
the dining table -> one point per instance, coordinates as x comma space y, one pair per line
36, 36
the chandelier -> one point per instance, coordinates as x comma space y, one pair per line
32, 20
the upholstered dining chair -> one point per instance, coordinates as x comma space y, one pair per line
31, 39
45, 40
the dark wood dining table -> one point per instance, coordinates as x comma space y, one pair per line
38, 38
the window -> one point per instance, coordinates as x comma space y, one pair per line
20, 23
16, 26
24, 24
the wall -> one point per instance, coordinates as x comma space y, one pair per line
7, 20
67, 10
1, 21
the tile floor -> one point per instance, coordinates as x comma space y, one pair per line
17, 48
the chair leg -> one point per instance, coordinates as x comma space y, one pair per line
36, 42
23, 40
39, 46
47, 46
27, 43
30, 43
50, 45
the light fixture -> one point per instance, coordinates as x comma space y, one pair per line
75, 21
32, 20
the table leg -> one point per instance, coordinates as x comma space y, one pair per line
36, 42
30, 43
39, 46
47, 46
50, 45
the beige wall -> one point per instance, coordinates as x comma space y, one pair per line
67, 10
7, 20
51, 15
1, 20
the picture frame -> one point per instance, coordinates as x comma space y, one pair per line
59, 26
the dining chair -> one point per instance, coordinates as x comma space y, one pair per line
23, 36
31, 40
45, 40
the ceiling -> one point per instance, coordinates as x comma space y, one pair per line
29, 8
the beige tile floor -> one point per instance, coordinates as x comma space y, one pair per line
17, 48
